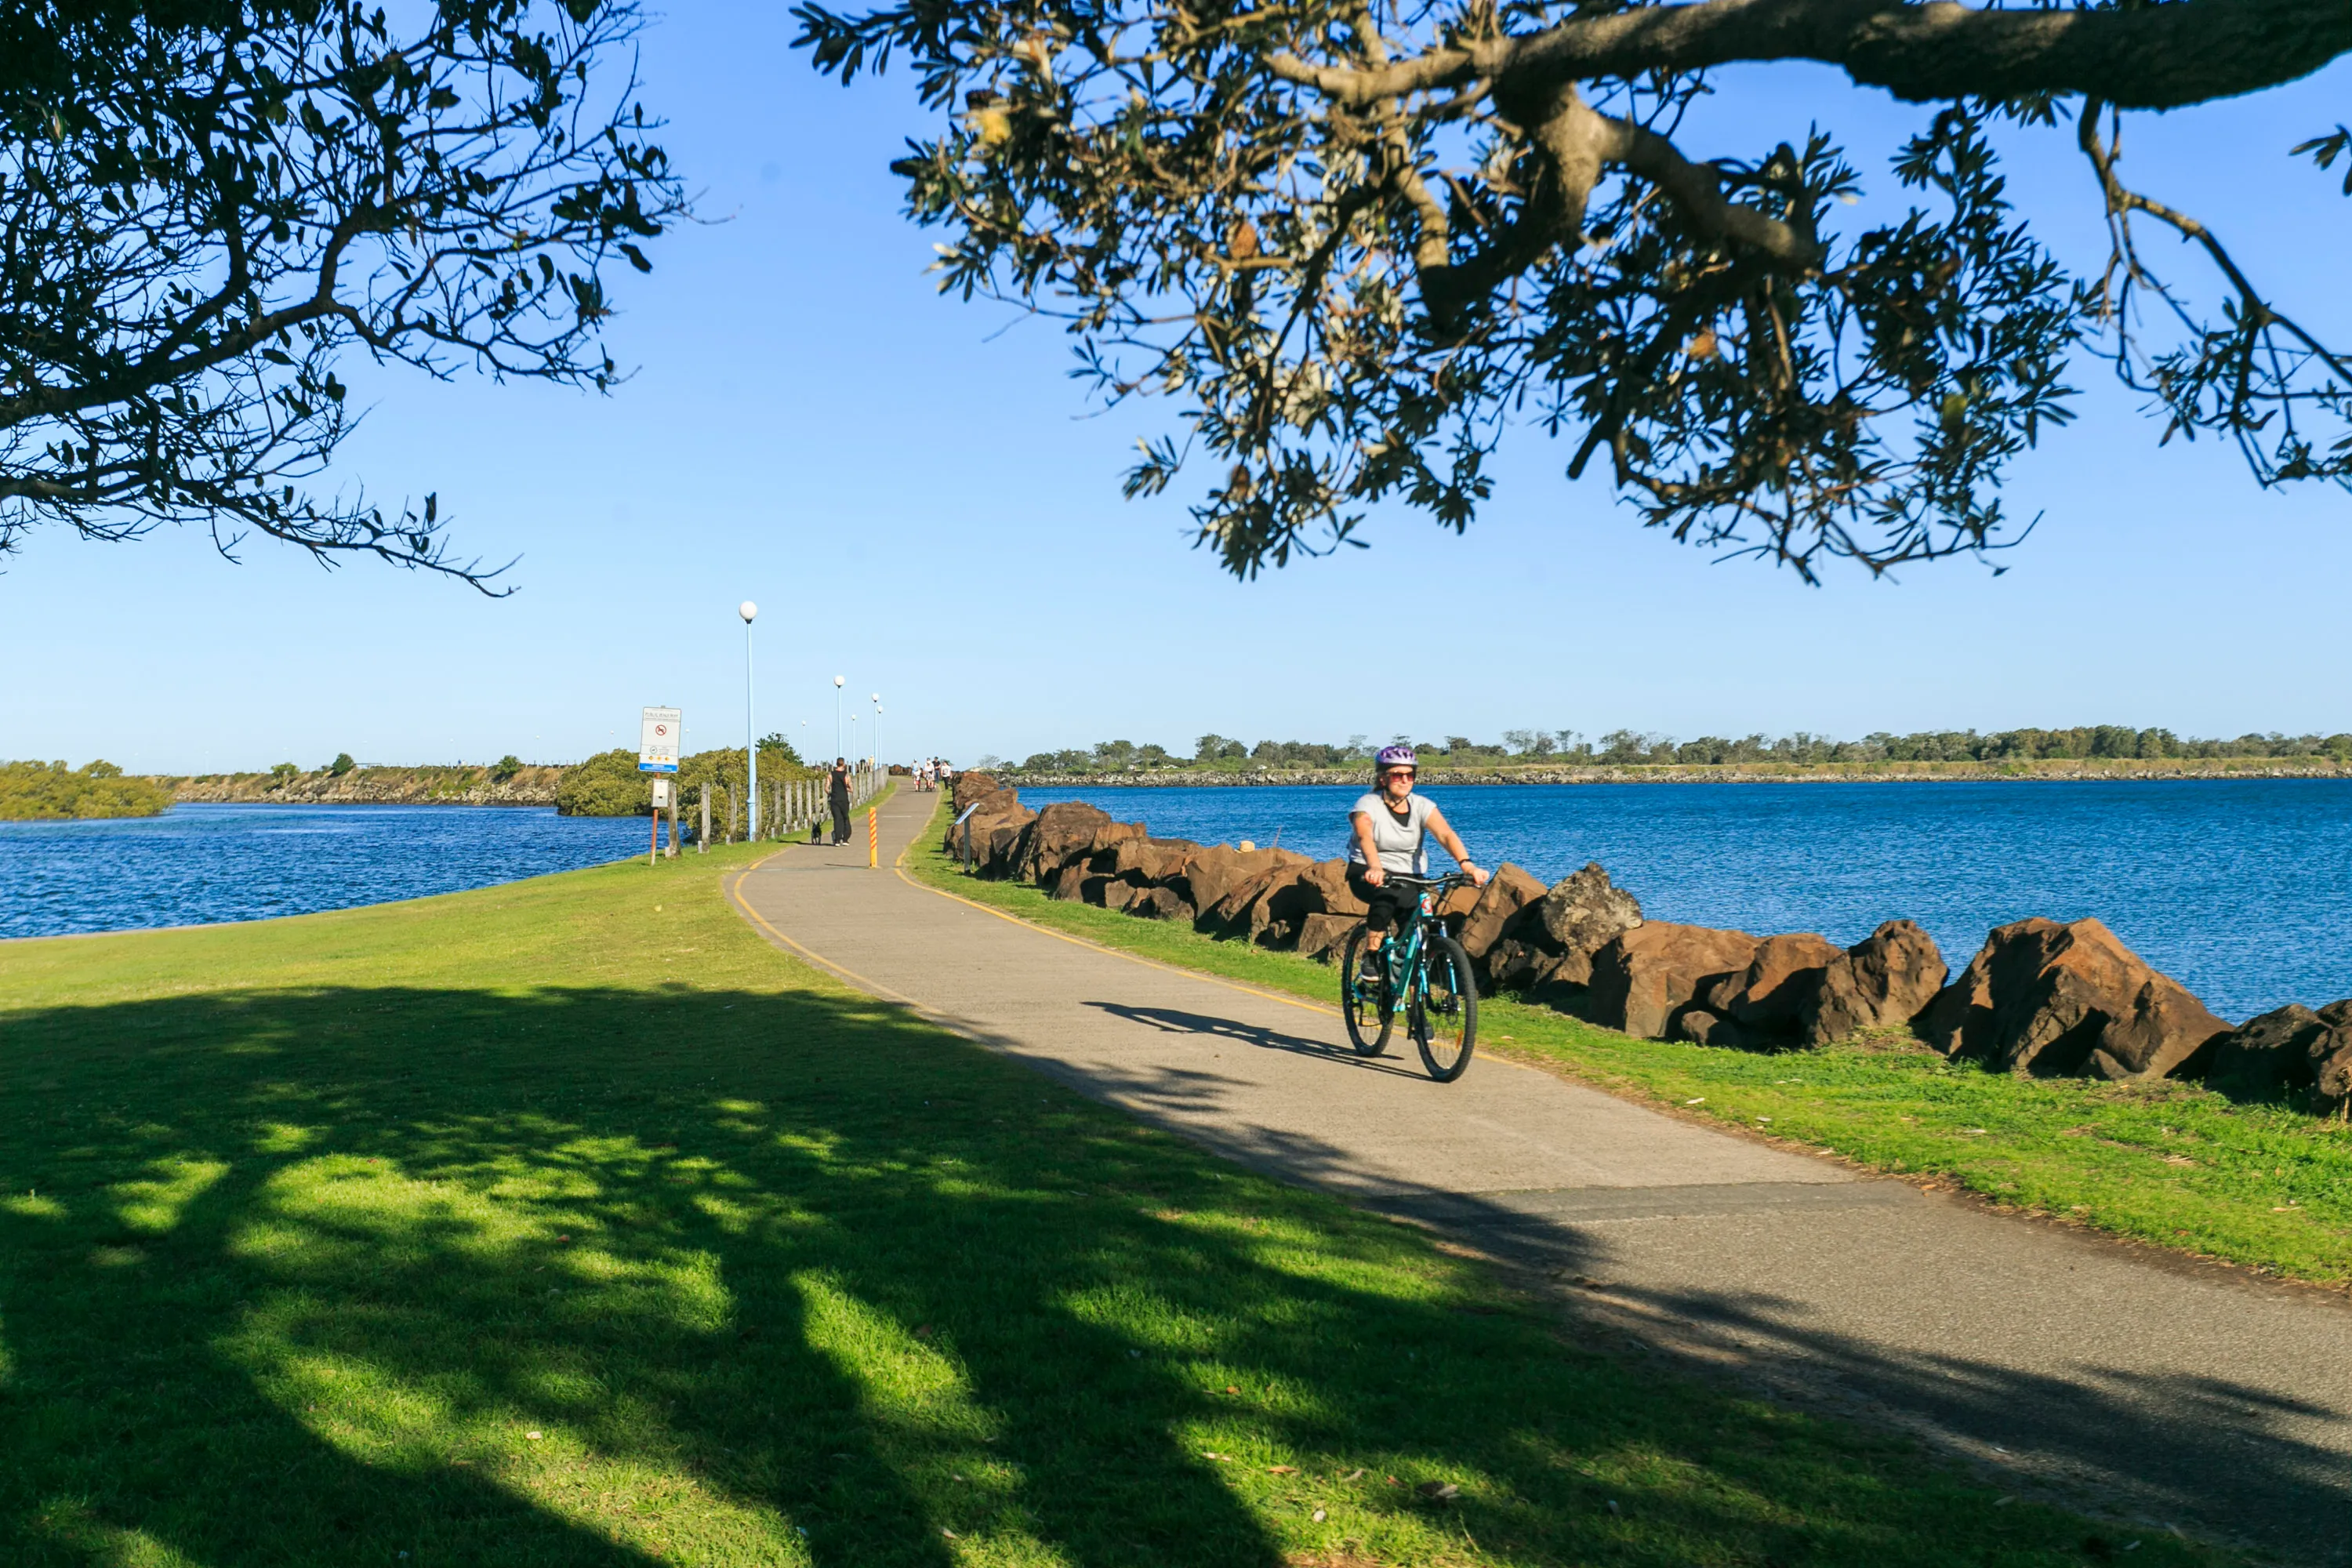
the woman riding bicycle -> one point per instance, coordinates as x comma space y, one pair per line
1391, 828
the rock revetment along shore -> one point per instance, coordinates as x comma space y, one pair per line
2045, 997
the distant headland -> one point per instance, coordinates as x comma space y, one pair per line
2100, 752
606, 785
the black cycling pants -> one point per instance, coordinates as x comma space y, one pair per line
1389, 905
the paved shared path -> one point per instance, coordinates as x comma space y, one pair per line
2115, 1375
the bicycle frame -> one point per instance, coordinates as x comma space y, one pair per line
1412, 980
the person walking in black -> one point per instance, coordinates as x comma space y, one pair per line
837, 796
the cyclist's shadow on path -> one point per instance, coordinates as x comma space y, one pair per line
1175, 1021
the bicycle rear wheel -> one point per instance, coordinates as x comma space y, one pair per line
1370, 1013
1443, 1016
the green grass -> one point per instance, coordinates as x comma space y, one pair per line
2261, 1185
566, 1222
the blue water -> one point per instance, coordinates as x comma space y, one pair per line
2240, 889
197, 864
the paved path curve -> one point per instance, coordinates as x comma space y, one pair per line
2117, 1375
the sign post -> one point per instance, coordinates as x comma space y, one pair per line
658, 754
661, 799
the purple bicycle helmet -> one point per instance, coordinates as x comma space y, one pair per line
1396, 756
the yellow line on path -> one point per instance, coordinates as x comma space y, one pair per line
735, 896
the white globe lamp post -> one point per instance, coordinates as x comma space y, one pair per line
749, 612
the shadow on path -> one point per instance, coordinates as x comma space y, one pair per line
1176, 1021
2199, 1451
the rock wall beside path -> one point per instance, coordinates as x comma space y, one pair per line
2042, 997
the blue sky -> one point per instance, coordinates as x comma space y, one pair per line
920, 500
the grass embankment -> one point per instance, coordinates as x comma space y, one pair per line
565, 1221
49, 792
2172, 1163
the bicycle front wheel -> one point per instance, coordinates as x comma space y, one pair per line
1363, 999
1444, 1009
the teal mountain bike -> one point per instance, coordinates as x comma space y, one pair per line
1421, 973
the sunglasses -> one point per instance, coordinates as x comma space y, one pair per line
1400, 773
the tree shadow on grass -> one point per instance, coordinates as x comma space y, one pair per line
296, 1276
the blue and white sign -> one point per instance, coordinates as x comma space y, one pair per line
657, 742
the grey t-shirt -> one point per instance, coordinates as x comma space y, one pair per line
1403, 845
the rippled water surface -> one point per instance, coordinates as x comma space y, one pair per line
2242, 889
198, 864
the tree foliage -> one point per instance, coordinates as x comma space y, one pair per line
1628, 748
35, 791
209, 204
609, 784
1358, 239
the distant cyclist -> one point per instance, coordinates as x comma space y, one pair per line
1393, 826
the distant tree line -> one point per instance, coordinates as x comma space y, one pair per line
1632, 747
35, 791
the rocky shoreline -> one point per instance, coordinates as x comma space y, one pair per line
2083, 770
2042, 997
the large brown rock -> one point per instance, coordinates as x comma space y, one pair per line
1567, 968
2287, 1050
1882, 981
1065, 831
1003, 848
1285, 898
1584, 913
1706, 1028
1513, 962
1767, 997
2061, 1000
1558, 981
1325, 883
972, 786
1642, 979
967, 838
1322, 936
2266, 1055
1112, 835
1144, 860
2331, 1059
1509, 890
1159, 904
1212, 877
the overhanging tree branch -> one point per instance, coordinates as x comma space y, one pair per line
1467, 214
2254, 376
206, 205
2148, 57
